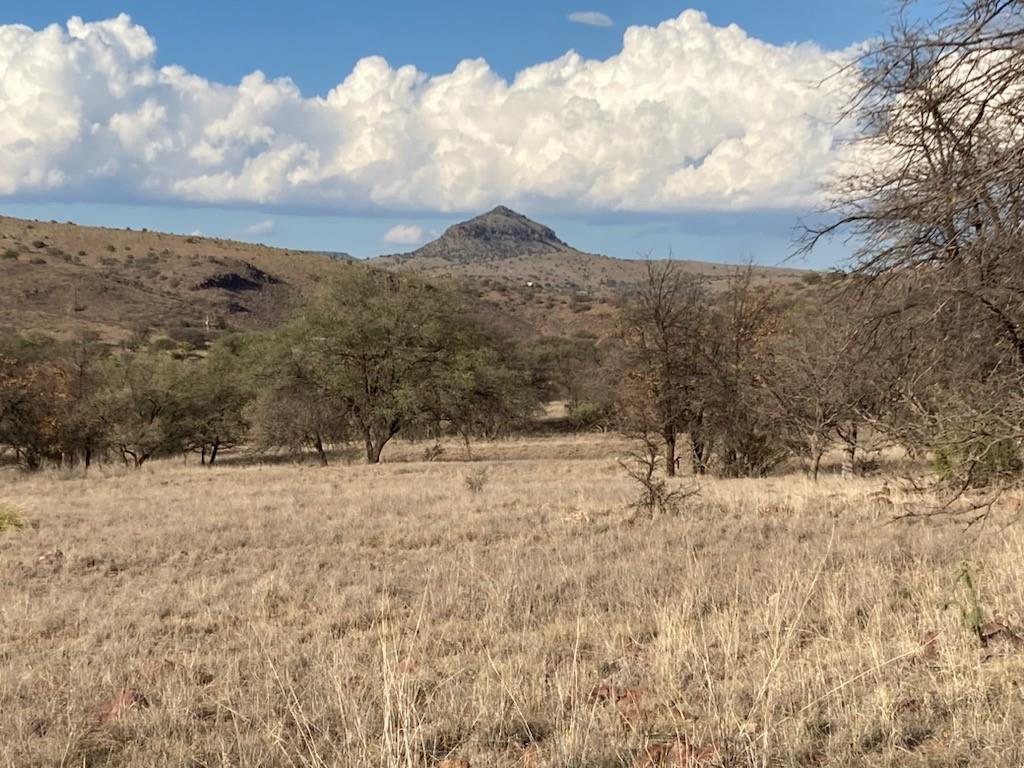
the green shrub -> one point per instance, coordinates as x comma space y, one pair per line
193, 338
476, 480
980, 461
163, 345
587, 415
10, 518
812, 278
10, 253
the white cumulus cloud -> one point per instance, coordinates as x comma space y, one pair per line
686, 116
592, 18
404, 234
264, 227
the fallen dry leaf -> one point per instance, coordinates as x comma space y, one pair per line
997, 629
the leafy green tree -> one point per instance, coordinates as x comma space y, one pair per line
397, 354
572, 369
480, 392
141, 405
214, 397
81, 429
564, 368
30, 389
290, 410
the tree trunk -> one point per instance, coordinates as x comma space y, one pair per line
814, 444
318, 443
850, 451
202, 455
213, 451
375, 443
698, 454
373, 450
670, 452
137, 459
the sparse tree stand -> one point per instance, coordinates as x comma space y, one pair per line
381, 347
749, 437
663, 331
936, 204
815, 373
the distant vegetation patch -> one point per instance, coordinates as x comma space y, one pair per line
10, 517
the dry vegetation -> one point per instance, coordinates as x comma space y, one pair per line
394, 616
64, 279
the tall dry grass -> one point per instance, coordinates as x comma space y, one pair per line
390, 616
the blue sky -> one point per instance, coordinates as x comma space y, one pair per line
316, 42
723, 210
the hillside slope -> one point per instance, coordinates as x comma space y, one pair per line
63, 279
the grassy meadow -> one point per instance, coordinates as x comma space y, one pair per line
288, 615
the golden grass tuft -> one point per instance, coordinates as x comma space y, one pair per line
383, 616
11, 518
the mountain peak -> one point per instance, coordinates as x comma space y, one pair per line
504, 224
501, 233
503, 210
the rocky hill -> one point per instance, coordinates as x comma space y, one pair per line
497, 235
541, 283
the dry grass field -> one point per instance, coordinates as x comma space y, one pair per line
285, 615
